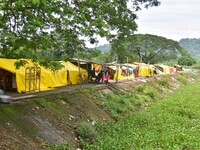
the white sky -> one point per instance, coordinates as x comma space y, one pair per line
173, 19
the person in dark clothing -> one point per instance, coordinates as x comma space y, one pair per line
93, 75
100, 76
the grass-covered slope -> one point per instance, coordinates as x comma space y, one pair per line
173, 123
115, 116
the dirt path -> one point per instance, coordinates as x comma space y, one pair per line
21, 96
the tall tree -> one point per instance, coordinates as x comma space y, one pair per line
123, 48
43, 29
154, 49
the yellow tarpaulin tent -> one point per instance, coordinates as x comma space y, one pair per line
145, 70
73, 73
165, 69
119, 73
48, 78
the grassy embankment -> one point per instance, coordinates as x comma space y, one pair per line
81, 115
173, 123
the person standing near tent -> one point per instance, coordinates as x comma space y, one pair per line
136, 71
106, 77
92, 74
155, 70
100, 76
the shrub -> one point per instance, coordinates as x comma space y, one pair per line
152, 93
140, 88
163, 82
186, 60
196, 66
182, 80
86, 131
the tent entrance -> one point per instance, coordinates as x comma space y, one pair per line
32, 78
7, 81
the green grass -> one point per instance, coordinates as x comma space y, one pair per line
173, 123
63, 146
86, 131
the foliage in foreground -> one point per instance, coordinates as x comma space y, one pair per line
51, 30
86, 131
64, 146
172, 123
119, 104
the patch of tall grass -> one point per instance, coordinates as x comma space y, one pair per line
172, 123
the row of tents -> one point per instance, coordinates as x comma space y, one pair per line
33, 77
124, 71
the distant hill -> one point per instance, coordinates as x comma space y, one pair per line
192, 45
104, 47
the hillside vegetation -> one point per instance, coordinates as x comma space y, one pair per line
192, 45
95, 115
172, 123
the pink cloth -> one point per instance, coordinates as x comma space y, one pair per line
106, 77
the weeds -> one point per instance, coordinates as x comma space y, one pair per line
172, 123
63, 146
86, 131
164, 82
152, 93
140, 88
182, 79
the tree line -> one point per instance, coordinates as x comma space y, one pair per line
48, 30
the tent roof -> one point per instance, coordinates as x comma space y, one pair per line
84, 61
70, 66
9, 65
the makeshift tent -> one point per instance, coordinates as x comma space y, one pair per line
145, 70
172, 69
73, 73
98, 67
118, 73
178, 68
163, 68
134, 68
112, 70
33, 78
128, 70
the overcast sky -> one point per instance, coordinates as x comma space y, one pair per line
173, 19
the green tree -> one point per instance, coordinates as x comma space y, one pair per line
53, 29
123, 48
154, 49
186, 60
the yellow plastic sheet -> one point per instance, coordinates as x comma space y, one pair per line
73, 73
145, 70
48, 78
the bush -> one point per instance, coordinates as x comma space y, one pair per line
140, 88
186, 60
182, 80
196, 66
152, 93
86, 131
163, 82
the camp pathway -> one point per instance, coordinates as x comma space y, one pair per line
22, 96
